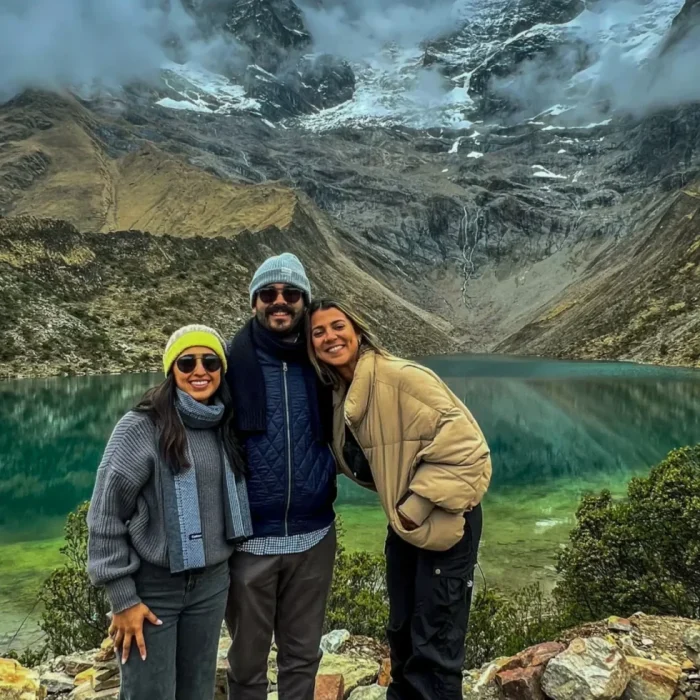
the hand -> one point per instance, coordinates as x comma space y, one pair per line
407, 524
127, 626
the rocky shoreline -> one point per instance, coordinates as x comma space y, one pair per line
641, 658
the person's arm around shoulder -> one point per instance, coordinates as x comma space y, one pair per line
454, 466
126, 466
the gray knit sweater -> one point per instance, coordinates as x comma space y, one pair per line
126, 518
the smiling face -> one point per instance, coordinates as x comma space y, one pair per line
277, 313
200, 383
335, 340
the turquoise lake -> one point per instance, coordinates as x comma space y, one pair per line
556, 429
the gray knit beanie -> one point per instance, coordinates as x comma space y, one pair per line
281, 269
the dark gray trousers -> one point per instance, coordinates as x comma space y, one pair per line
182, 652
285, 594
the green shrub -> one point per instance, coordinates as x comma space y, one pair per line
75, 612
640, 553
502, 623
358, 600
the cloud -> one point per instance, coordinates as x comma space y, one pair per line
628, 69
358, 29
51, 44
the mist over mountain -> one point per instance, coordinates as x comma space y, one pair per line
509, 59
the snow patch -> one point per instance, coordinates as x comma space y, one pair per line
200, 90
542, 172
475, 154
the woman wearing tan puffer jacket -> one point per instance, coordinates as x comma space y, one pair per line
398, 429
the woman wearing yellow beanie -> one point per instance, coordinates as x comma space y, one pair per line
169, 505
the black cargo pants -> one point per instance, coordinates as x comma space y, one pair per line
429, 597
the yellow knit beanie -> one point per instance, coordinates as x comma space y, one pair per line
190, 337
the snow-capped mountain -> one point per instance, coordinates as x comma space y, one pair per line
502, 58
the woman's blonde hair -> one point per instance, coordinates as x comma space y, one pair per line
368, 341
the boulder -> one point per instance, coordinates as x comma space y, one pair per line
521, 683
332, 642
590, 669
520, 676
368, 692
329, 688
19, 683
691, 642
652, 680
355, 671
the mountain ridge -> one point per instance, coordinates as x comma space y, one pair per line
491, 237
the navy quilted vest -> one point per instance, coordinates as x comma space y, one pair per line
291, 476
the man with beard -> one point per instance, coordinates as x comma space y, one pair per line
280, 579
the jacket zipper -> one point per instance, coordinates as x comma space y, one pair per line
289, 449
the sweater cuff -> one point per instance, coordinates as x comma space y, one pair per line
416, 508
122, 594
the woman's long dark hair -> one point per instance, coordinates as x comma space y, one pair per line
160, 404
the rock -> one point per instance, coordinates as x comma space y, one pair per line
652, 680
73, 664
332, 642
355, 671
485, 686
56, 682
327, 81
87, 692
589, 669
521, 683
329, 687
19, 683
538, 655
628, 648
368, 692
519, 677
384, 673
691, 641
106, 678
106, 652
85, 676
619, 624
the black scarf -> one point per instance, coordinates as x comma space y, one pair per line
245, 378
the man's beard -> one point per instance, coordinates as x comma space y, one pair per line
265, 319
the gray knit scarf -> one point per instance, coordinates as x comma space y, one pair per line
181, 501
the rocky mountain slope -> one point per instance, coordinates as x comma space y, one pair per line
77, 302
568, 233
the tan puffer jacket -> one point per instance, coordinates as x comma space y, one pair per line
420, 441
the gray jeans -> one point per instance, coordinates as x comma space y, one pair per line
285, 594
182, 652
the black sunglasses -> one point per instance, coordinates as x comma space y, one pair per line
268, 295
187, 363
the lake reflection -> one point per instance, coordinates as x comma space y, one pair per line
549, 424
